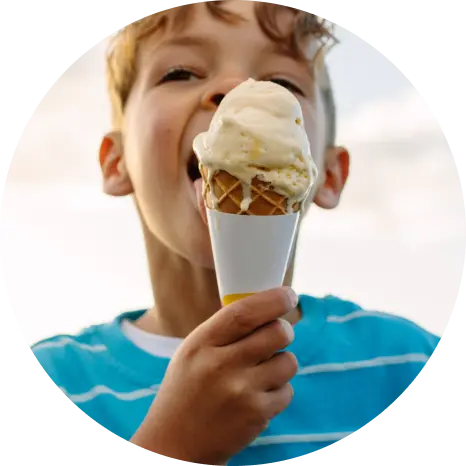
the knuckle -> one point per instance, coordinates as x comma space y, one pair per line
278, 298
212, 365
188, 351
247, 404
220, 361
203, 361
258, 413
291, 362
241, 316
279, 334
288, 394
239, 391
283, 399
258, 419
285, 368
290, 391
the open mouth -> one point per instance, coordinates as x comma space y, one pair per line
193, 168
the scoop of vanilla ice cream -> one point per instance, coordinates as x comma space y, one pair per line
258, 131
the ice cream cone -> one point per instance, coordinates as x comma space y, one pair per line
257, 169
251, 247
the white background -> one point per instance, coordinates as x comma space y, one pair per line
74, 257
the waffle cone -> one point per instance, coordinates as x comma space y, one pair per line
228, 192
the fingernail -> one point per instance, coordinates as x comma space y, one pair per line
293, 297
288, 328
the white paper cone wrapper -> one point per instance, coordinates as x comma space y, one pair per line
251, 253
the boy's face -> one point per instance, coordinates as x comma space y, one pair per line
181, 77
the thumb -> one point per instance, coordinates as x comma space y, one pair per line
236, 321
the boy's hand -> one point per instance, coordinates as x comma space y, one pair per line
225, 382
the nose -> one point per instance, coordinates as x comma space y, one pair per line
217, 91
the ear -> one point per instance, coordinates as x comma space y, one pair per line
336, 168
116, 181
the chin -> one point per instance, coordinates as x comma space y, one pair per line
196, 249
201, 255
203, 261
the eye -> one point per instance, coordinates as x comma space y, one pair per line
287, 85
178, 74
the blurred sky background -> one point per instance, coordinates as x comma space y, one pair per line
74, 257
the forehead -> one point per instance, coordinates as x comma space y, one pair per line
226, 21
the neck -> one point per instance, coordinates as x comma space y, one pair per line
185, 295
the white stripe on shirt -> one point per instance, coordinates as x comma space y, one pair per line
336, 319
104, 390
64, 341
376, 362
299, 438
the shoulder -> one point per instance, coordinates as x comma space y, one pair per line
372, 332
374, 355
87, 340
65, 356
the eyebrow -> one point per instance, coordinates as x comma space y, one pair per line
183, 41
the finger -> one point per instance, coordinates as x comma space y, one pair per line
241, 318
263, 343
276, 372
276, 401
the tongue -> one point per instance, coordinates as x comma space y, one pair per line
200, 199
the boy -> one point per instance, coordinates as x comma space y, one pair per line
185, 379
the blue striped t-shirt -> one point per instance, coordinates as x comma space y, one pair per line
352, 365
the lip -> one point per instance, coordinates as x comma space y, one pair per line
190, 157
195, 193
192, 167
192, 183
200, 126
195, 189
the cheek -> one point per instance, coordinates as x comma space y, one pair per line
315, 124
152, 139
317, 143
